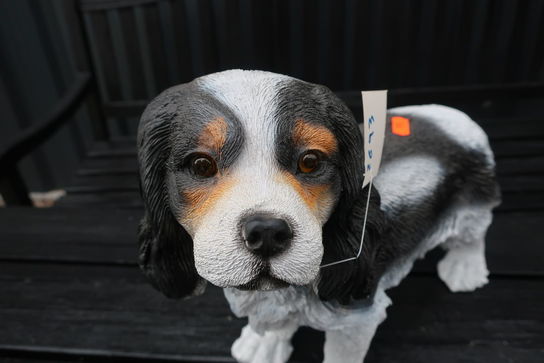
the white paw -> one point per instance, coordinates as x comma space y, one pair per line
243, 349
251, 347
463, 269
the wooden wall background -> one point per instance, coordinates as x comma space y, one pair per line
136, 48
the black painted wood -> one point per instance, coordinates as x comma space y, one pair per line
518, 143
98, 236
519, 191
35, 135
12, 185
125, 199
95, 308
106, 198
13, 188
86, 307
475, 97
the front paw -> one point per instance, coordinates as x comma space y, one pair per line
251, 347
463, 270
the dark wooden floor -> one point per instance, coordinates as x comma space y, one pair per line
70, 289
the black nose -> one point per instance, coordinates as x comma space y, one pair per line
266, 236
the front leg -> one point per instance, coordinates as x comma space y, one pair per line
350, 344
274, 346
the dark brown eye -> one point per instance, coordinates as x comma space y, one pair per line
309, 162
203, 166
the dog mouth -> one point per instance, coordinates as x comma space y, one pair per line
264, 281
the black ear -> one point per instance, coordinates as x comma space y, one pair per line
356, 279
165, 247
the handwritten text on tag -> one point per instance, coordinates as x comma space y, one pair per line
374, 114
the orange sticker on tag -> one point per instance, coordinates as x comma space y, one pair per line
400, 125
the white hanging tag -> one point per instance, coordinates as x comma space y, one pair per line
374, 114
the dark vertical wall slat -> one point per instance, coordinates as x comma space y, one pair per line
62, 56
454, 46
296, 38
96, 57
192, 19
157, 48
375, 44
361, 42
404, 22
478, 22
506, 19
346, 44
63, 73
121, 61
534, 24
10, 115
27, 84
167, 32
102, 49
145, 52
425, 42
311, 43
323, 33
133, 45
59, 20
48, 47
279, 61
349, 44
90, 118
246, 32
224, 51
206, 32
120, 54
82, 134
539, 63
336, 44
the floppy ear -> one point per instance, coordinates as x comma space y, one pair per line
165, 247
356, 279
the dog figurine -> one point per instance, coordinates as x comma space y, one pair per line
253, 180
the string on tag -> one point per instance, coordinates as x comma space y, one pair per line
374, 116
362, 236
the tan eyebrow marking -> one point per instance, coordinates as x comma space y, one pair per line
311, 194
314, 136
214, 135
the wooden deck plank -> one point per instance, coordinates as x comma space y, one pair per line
512, 201
512, 175
111, 166
520, 166
121, 199
71, 289
522, 190
95, 236
504, 132
503, 147
531, 165
82, 235
512, 128
59, 307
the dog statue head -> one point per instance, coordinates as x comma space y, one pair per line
253, 180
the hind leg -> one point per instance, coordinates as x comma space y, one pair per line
464, 267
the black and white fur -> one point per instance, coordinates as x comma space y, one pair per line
435, 187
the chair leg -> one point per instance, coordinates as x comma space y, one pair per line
13, 188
